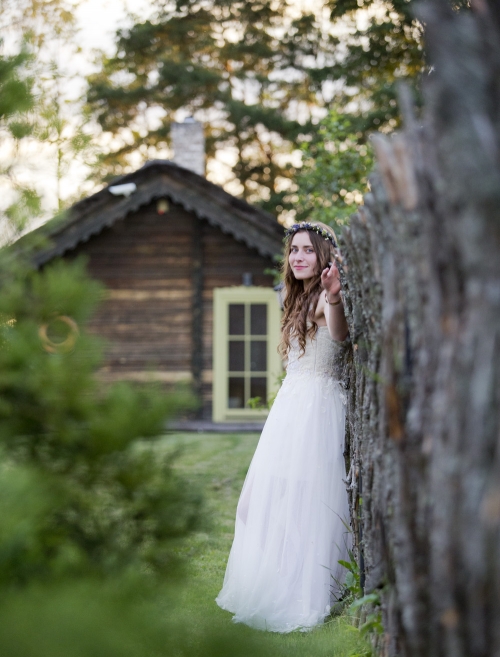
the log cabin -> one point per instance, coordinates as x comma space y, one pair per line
188, 272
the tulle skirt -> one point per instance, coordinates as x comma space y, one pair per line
290, 532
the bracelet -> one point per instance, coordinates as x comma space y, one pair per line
330, 303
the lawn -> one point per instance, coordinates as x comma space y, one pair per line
218, 463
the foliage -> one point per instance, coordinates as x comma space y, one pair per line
16, 100
63, 128
259, 403
39, 125
38, 22
372, 622
91, 515
253, 72
113, 504
383, 44
364, 611
16, 93
352, 588
112, 619
334, 176
260, 79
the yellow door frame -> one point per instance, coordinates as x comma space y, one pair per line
223, 297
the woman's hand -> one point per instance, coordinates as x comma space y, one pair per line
331, 283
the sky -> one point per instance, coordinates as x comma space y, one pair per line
98, 20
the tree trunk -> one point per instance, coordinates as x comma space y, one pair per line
421, 274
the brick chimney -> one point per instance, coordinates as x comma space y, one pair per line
188, 142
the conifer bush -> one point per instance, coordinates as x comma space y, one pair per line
113, 504
91, 514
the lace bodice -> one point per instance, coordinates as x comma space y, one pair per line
323, 356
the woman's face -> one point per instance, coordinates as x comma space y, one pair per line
302, 258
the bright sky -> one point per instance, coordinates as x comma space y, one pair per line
99, 19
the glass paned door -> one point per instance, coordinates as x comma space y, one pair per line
247, 353
246, 364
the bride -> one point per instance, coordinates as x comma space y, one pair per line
283, 571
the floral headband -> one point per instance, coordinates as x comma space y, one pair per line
307, 225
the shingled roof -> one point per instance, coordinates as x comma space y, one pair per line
163, 179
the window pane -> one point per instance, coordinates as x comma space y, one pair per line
236, 319
236, 356
236, 397
258, 388
258, 356
258, 319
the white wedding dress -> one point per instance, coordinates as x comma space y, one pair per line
283, 569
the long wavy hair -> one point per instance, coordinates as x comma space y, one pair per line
299, 304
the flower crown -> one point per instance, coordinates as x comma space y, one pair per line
315, 228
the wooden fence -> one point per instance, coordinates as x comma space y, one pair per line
421, 272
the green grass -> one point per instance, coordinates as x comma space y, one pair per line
218, 464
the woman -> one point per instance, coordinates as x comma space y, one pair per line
283, 570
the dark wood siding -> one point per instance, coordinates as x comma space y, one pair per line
146, 262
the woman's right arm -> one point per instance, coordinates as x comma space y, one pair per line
333, 306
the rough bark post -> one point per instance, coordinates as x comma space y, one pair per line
421, 273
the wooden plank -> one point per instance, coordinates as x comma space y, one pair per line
180, 321
173, 363
145, 283
144, 295
144, 377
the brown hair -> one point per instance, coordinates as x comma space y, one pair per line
300, 305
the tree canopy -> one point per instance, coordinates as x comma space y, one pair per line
259, 76
334, 175
254, 74
383, 44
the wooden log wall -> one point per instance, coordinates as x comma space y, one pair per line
421, 273
145, 262
160, 272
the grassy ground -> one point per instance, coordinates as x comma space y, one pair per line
218, 463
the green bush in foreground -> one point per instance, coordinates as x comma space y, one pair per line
95, 502
90, 515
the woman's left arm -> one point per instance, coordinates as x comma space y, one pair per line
333, 306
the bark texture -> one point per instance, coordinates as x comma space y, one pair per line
421, 274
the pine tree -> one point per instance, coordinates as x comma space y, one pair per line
383, 44
93, 513
259, 78
253, 73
